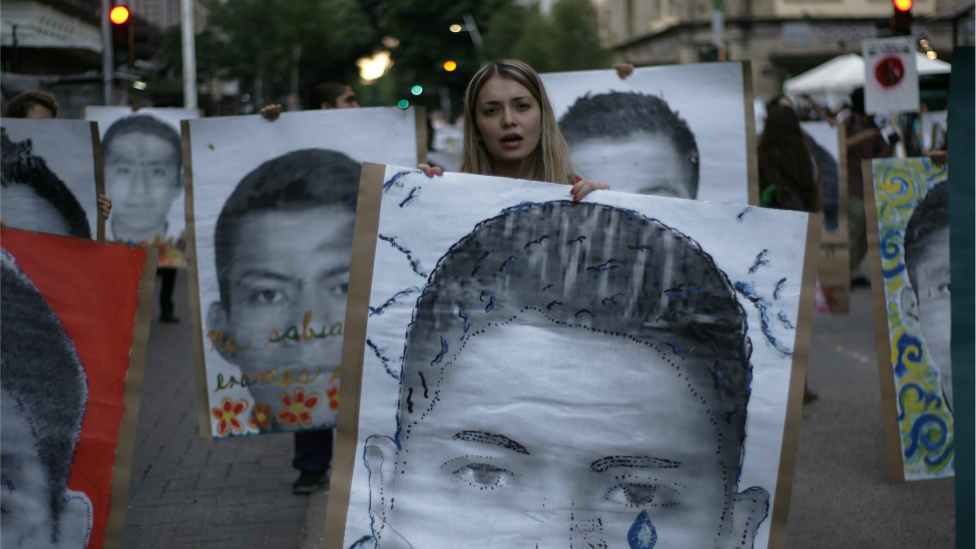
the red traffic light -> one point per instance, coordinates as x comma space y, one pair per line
119, 15
902, 5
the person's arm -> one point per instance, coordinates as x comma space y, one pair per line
104, 206
272, 112
863, 135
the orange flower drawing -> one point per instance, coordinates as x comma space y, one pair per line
261, 416
333, 395
226, 416
298, 407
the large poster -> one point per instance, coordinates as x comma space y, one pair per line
75, 327
143, 177
271, 211
828, 147
682, 130
522, 370
908, 246
51, 176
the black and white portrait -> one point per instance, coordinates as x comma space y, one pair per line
553, 373
48, 177
274, 207
43, 402
677, 131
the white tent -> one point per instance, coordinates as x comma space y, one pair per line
832, 82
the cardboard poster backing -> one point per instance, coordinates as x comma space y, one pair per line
99, 178
835, 250
203, 414
798, 377
752, 158
353, 349
132, 400
420, 113
882, 339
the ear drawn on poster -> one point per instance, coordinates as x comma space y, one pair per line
49, 177
501, 393
38, 508
699, 371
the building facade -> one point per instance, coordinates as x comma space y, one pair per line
781, 38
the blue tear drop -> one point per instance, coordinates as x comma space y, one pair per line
642, 534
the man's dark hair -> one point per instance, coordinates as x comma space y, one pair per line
619, 114
857, 101
326, 90
295, 181
589, 267
41, 371
145, 124
20, 166
20, 105
930, 217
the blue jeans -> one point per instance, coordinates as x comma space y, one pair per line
313, 450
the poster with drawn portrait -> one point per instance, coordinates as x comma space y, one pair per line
51, 176
908, 247
143, 177
685, 131
829, 151
522, 369
75, 323
271, 208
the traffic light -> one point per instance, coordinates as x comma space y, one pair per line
119, 15
132, 36
901, 19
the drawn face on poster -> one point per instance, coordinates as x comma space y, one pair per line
143, 177
274, 241
821, 138
912, 202
48, 177
502, 424
674, 131
38, 441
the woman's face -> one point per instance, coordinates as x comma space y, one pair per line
509, 123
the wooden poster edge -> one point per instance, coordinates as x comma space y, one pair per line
752, 159
353, 350
131, 401
798, 375
882, 338
196, 318
99, 177
420, 125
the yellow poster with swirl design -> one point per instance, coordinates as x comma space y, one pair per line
911, 203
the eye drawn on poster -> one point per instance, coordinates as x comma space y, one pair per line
274, 206
912, 199
143, 177
531, 386
677, 131
69, 382
48, 177
38, 441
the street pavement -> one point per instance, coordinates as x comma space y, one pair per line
187, 492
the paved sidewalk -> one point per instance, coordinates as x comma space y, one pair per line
186, 492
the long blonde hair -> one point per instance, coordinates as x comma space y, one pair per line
551, 161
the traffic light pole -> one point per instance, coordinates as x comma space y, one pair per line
108, 66
189, 55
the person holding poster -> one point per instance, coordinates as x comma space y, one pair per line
510, 130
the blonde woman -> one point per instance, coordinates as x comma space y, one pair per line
510, 130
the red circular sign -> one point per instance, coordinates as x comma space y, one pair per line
889, 72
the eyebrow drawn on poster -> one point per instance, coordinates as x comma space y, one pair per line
490, 436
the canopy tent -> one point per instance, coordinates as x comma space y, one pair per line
832, 82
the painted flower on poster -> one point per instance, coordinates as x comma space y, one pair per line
227, 416
298, 407
333, 394
261, 417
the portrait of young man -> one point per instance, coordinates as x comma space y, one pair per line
143, 177
574, 375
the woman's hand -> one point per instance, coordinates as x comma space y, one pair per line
624, 70
583, 187
104, 206
271, 112
430, 171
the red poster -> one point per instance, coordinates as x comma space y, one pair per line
94, 291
